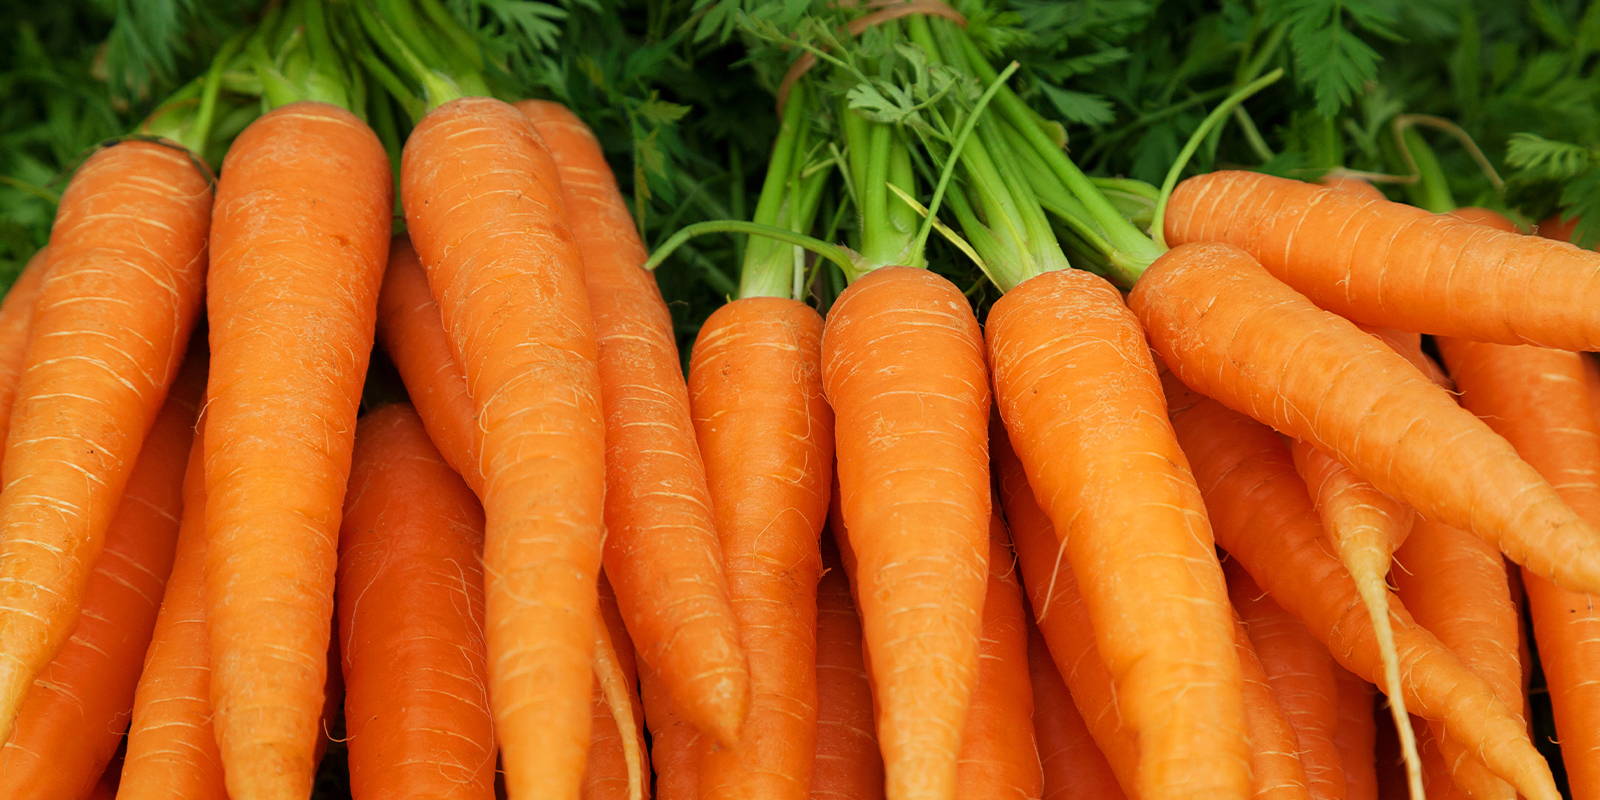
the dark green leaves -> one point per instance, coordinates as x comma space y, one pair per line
1330, 57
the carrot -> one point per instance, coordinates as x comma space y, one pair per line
118, 299
1394, 265
903, 368
1353, 185
1364, 527
1356, 736
848, 766
1232, 331
1072, 763
1276, 771
287, 243
1542, 402
1436, 771
999, 756
1081, 399
1485, 216
1558, 228
411, 619
1263, 517
74, 716
16, 320
482, 199
661, 549
106, 788
412, 334
1301, 676
172, 752
616, 768
755, 387
675, 743
1063, 619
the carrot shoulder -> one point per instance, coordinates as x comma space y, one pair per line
1231, 331
411, 619
287, 243
755, 387
1543, 402
903, 368
483, 203
119, 296
1263, 517
1395, 265
1081, 400
76, 712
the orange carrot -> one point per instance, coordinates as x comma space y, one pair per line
848, 766
1540, 400
118, 299
607, 775
1232, 331
412, 334
903, 368
172, 752
1356, 736
1263, 517
1072, 763
1301, 675
1394, 265
1351, 184
767, 435
999, 757
1558, 228
1436, 771
288, 244
483, 203
1485, 216
75, 714
411, 619
16, 320
1276, 772
1063, 619
661, 548
675, 744
1081, 399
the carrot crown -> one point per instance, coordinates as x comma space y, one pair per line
421, 55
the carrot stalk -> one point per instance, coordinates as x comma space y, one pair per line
288, 244
1394, 265
483, 203
903, 368
1080, 396
74, 716
1263, 517
118, 298
1543, 401
1232, 331
766, 432
411, 619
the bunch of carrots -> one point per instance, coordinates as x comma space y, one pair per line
1217, 501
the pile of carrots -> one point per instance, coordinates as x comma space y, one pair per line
1240, 531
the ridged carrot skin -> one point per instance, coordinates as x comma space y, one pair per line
1228, 328
1276, 771
1063, 619
675, 743
1542, 402
1082, 402
16, 321
766, 431
1301, 676
483, 202
1263, 517
1395, 265
605, 775
999, 757
1072, 763
903, 368
120, 294
1356, 737
1354, 185
661, 548
172, 751
848, 765
74, 716
411, 332
1455, 585
411, 620
288, 245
